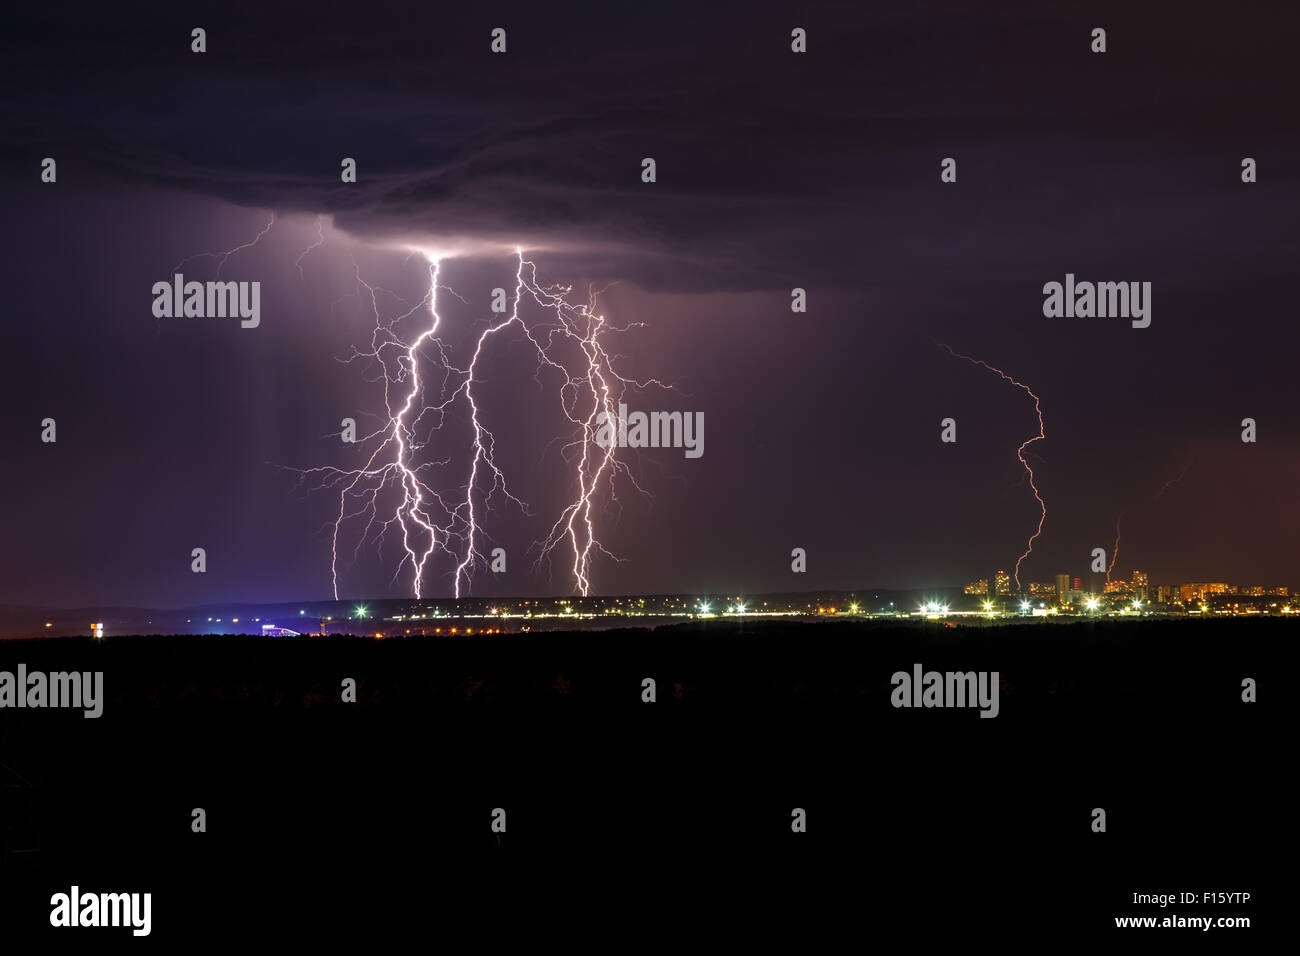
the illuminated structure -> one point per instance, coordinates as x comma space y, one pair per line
1062, 587
389, 489
270, 630
97, 629
1002, 583
978, 587
1197, 592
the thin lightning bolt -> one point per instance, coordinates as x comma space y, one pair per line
1020, 452
594, 466
389, 467
1171, 481
223, 256
1163, 488
1114, 554
320, 241
430, 523
412, 487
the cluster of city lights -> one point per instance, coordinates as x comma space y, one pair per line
933, 609
493, 619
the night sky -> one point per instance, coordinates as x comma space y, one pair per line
775, 170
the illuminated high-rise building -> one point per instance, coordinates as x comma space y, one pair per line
1002, 583
1140, 584
1197, 592
1062, 587
978, 587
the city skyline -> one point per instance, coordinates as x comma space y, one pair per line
1135, 599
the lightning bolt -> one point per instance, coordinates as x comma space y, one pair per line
1114, 554
1156, 497
1171, 481
320, 241
420, 534
389, 468
392, 490
570, 344
598, 381
1020, 452
222, 257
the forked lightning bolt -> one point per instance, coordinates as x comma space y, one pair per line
422, 384
1020, 453
221, 257
597, 386
429, 522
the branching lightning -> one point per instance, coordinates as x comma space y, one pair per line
393, 490
222, 257
422, 384
1020, 453
596, 379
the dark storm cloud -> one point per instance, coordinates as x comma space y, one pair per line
773, 169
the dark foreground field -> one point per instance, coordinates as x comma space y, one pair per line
667, 822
